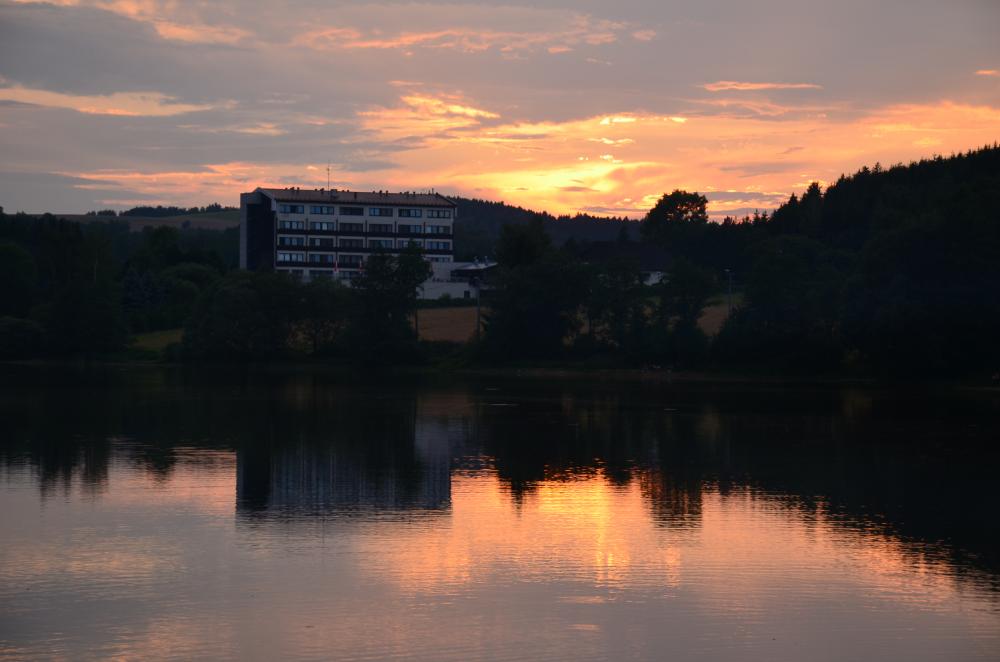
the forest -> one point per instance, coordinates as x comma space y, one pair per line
890, 271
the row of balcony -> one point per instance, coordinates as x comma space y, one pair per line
353, 233
355, 251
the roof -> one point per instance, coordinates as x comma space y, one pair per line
647, 256
471, 268
359, 197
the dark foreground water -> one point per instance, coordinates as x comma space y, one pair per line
162, 513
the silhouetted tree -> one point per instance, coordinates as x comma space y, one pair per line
385, 297
243, 316
535, 306
18, 278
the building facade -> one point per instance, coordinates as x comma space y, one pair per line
330, 233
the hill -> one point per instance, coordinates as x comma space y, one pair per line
476, 227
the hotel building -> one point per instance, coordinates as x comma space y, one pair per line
311, 233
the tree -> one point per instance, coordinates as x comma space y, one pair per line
385, 298
84, 319
677, 339
684, 292
324, 313
538, 291
18, 276
674, 213
615, 304
523, 245
243, 316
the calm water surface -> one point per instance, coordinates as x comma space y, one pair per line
164, 513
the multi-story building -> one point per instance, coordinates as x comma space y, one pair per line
311, 233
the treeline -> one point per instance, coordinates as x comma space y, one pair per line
889, 271
160, 211
70, 289
257, 316
80, 290
548, 304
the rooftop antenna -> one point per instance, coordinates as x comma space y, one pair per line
327, 174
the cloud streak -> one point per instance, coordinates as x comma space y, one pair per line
743, 86
125, 104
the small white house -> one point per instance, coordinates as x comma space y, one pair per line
457, 280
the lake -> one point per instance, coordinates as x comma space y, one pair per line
159, 513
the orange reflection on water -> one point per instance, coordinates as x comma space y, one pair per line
740, 552
588, 530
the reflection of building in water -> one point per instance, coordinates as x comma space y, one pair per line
403, 463
314, 477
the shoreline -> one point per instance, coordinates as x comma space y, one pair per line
536, 372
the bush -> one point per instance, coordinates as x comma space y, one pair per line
243, 316
20, 338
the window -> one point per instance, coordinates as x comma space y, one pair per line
291, 257
322, 242
352, 211
292, 209
322, 273
411, 229
351, 261
380, 243
405, 243
323, 226
322, 211
322, 258
291, 241
438, 245
384, 228
291, 225
410, 213
352, 227
438, 213
380, 211
439, 259
352, 243
438, 229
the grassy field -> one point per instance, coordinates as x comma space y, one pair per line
208, 221
715, 313
156, 341
459, 324
436, 324
448, 324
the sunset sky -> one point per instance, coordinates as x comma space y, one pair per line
561, 105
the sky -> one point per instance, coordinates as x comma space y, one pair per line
558, 105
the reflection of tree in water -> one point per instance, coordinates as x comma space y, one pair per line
916, 467
61, 437
555, 437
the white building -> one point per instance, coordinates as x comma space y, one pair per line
457, 280
330, 233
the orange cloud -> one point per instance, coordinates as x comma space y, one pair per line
580, 29
988, 72
203, 34
148, 104
615, 164
726, 85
